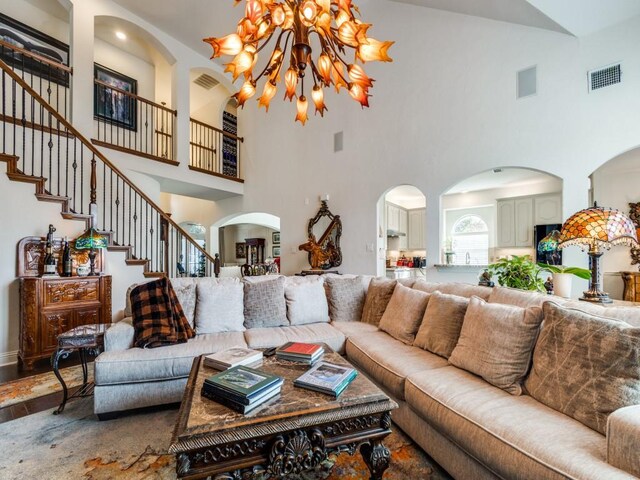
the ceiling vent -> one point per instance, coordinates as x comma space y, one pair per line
206, 81
605, 77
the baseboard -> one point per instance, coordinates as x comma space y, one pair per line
8, 358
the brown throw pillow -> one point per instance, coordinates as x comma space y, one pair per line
152, 315
264, 303
585, 366
496, 342
346, 298
442, 323
403, 314
378, 296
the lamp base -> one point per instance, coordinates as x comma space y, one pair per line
595, 297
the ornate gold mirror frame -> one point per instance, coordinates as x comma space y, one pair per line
323, 244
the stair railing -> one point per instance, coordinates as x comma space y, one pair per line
214, 151
67, 163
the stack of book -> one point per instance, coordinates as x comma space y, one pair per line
232, 357
327, 378
307, 353
241, 388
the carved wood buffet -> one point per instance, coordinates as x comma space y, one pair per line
631, 286
50, 306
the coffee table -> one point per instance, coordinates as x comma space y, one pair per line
291, 433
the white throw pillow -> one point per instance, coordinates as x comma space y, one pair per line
306, 300
220, 307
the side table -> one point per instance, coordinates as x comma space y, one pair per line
86, 340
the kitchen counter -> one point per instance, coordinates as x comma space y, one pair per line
405, 272
460, 268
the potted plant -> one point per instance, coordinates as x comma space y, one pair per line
562, 277
518, 272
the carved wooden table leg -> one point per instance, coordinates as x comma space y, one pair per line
377, 457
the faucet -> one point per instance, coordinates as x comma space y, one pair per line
467, 258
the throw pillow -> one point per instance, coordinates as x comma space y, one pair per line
220, 308
264, 303
152, 315
402, 317
585, 366
187, 297
378, 296
496, 342
184, 331
345, 297
306, 300
442, 323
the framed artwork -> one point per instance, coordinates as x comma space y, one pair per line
113, 105
36, 42
241, 250
275, 237
275, 251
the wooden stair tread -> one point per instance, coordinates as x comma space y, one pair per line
136, 261
48, 197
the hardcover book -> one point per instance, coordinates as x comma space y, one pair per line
251, 399
239, 407
242, 380
327, 378
232, 357
297, 348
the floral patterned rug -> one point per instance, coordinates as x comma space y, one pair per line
134, 447
23, 389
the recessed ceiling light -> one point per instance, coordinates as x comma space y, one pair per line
121, 35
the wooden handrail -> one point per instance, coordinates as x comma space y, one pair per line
226, 134
35, 56
98, 154
134, 96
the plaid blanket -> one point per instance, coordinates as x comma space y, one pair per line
158, 318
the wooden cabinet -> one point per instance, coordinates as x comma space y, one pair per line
547, 209
517, 217
415, 233
631, 286
50, 306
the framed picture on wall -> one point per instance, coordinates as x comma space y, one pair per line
110, 102
33, 41
275, 237
275, 251
241, 250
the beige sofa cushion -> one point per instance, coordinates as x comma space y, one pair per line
313, 333
350, 329
264, 303
345, 296
453, 288
516, 437
219, 308
628, 313
585, 366
424, 286
378, 296
402, 317
389, 361
496, 342
306, 300
519, 298
623, 439
442, 323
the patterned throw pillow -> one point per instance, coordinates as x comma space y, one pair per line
184, 330
264, 304
378, 296
187, 297
585, 366
346, 298
402, 317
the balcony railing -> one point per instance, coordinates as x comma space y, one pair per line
214, 151
133, 124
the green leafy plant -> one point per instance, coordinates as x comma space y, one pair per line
577, 271
518, 272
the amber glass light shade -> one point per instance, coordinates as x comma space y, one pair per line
292, 25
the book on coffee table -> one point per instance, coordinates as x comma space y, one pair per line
326, 377
307, 353
232, 357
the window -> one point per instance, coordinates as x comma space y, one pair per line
470, 241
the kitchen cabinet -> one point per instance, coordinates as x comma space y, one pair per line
415, 233
523, 208
393, 217
517, 217
547, 209
506, 223
403, 225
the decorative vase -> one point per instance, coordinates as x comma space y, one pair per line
562, 284
83, 270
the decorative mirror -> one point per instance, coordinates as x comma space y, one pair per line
634, 215
323, 244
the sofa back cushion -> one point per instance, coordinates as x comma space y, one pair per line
219, 307
585, 366
517, 297
629, 313
264, 303
442, 323
424, 286
345, 296
378, 296
496, 343
453, 288
306, 300
404, 312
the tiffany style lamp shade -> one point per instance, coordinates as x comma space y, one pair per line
91, 240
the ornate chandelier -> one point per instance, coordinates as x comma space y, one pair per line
293, 23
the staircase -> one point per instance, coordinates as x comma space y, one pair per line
40, 146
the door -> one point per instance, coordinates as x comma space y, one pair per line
506, 223
53, 324
523, 222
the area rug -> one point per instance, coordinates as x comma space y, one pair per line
35, 386
75, 445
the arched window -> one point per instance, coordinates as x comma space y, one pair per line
470, 241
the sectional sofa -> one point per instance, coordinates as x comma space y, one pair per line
491, 383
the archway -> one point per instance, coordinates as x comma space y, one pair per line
402, 241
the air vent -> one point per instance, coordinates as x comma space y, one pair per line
206, 81
605, 77
527, 82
